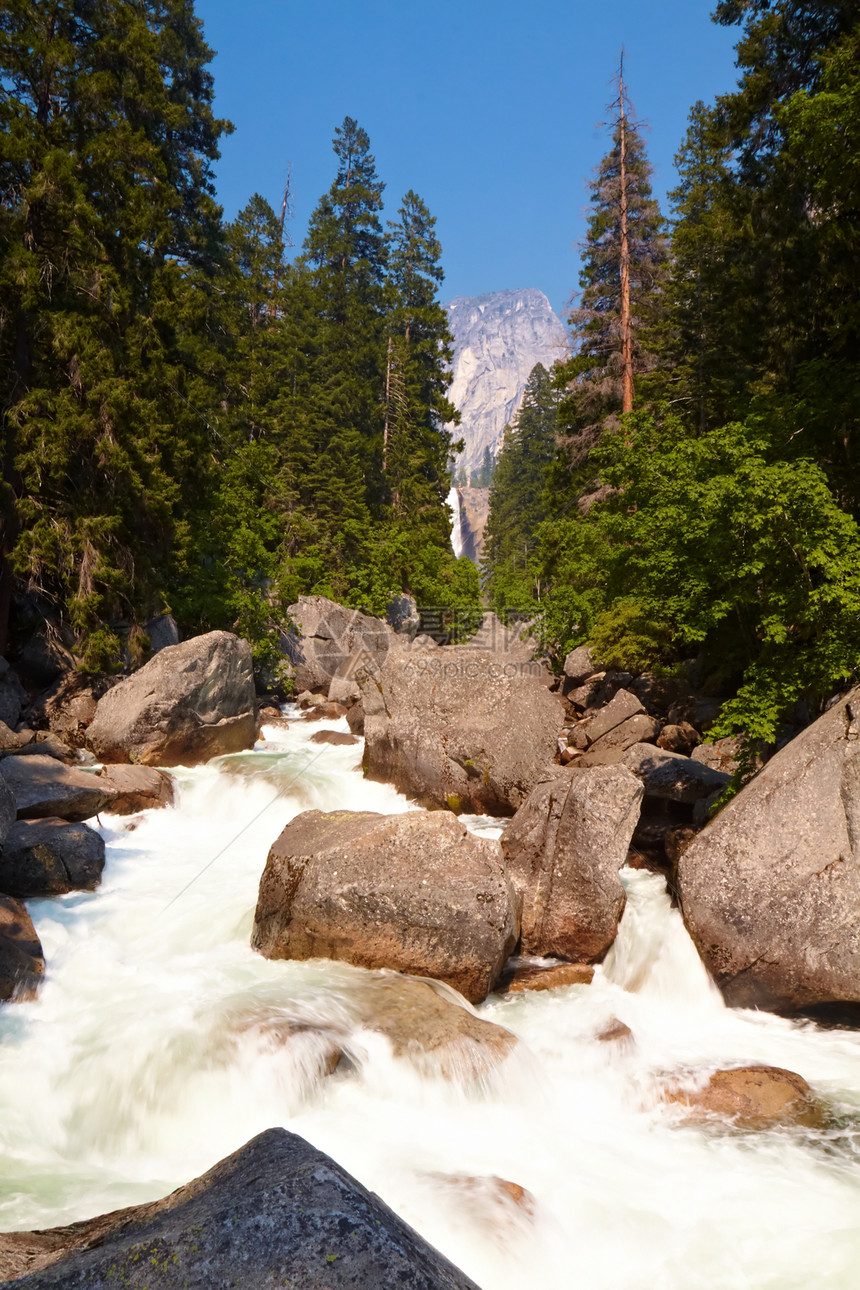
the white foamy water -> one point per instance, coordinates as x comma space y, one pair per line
453, 500
147, 1058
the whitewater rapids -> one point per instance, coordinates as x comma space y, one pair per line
140, 1065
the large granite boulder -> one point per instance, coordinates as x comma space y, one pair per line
414, 892
50, 857
564, 848
459, 727
43, 787
331, 641
190, 702
278, 1212
22, 963
770, 890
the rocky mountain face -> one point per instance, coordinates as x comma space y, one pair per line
498, 339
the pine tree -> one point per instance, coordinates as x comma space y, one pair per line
517, 502
623, 271
108, 227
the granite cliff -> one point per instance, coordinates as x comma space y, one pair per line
498, 338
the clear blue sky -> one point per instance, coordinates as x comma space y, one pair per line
489, 109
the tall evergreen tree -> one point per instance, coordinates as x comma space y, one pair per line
107, 225
625, 257
517, 501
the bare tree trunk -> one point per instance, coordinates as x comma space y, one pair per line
626, 337
387, 405
285, 210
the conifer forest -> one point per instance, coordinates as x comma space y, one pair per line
196, 422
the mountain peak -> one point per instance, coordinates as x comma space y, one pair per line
498, 339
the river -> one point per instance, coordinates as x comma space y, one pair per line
144, 1061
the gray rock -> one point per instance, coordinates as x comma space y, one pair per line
622, 707
579, 665
637, 729
403, 617
332, 641
43, 787
162, 632
8, 810
415, 892
22, 964
138, 788
50, 857
191, 702
770, 890
722, 755
459, 727
275, 1213
13, 696
564, 848
671, 777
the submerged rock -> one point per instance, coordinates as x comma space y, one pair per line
460, 727
564, 848
414, 892
189, 703
431, 1026
50, 857
22, 963
752, 1097
770, 890
545, 976
275, 1213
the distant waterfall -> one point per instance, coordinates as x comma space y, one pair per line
456, 528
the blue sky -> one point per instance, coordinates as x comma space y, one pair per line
489, 109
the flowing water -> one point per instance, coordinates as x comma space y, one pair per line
150, 1054
453, 500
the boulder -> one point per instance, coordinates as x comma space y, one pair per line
414, 892
50, 857
332, 640
682, 738
770, 890
138, 788
43, 787
620, 708
336, 737
608, 749
432, 1027
69, 706
459, 727
12, 740
22, 964
563, 849
669, 776
278, 1212
8, 810
403, 617
527, 976
190, 702
753, 1097
579, 665
722, 755
162, 632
